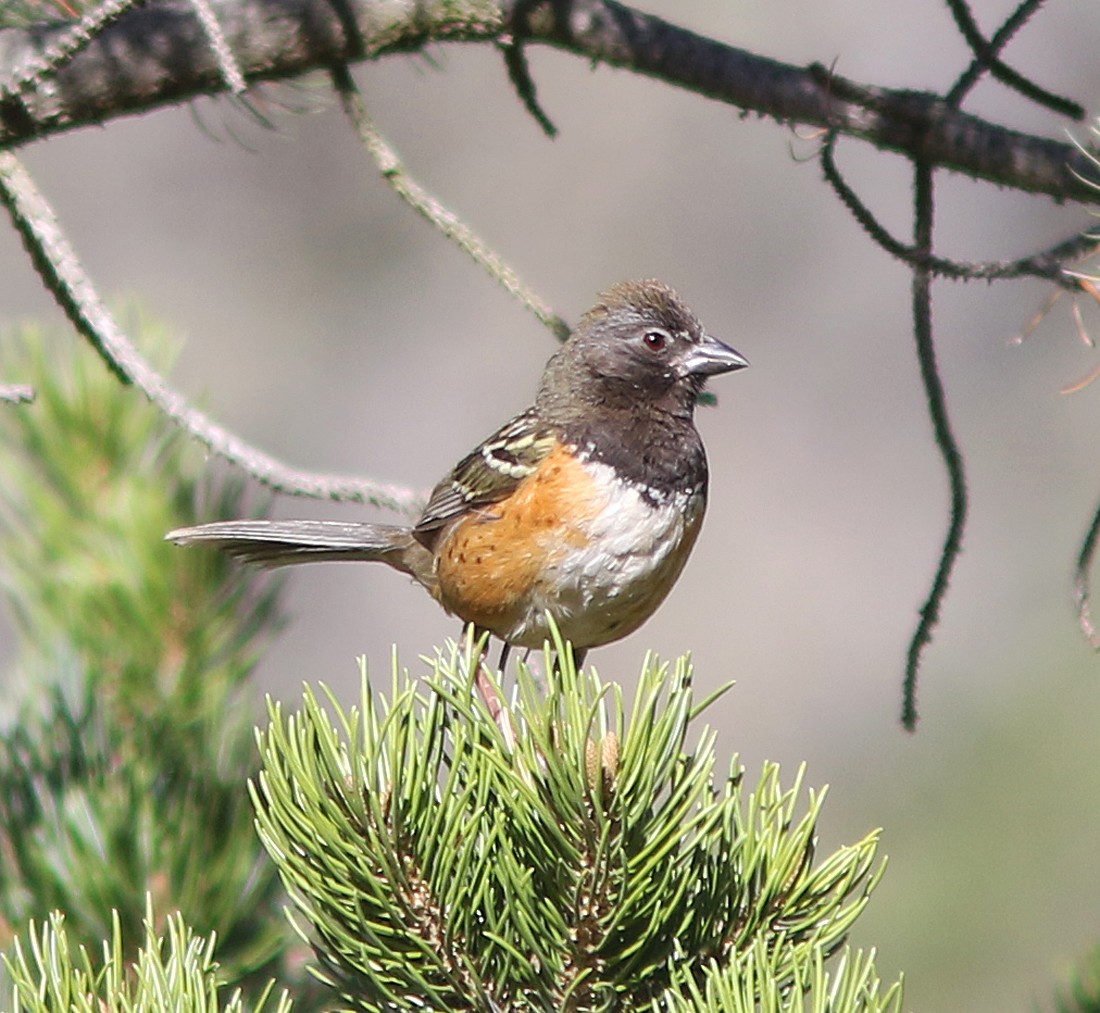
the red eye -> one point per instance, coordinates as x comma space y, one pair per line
655, 341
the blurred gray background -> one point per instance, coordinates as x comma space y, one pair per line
328, 324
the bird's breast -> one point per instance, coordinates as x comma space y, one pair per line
598, 552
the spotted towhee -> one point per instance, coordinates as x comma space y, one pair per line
585, 506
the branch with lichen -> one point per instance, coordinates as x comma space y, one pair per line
449, 225
282, 39
66, 279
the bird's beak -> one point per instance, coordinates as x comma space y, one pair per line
710, 357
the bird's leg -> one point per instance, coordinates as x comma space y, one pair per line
505, 650
579, 655
488, 691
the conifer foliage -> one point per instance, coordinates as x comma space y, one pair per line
567, 852
126, 731
563, 857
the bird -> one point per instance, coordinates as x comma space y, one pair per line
584, 507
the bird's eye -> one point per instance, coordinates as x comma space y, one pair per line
655, 340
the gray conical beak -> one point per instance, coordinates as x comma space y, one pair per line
711, 356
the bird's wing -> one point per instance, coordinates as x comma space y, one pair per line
488, 474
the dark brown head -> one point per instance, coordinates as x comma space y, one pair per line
640, 344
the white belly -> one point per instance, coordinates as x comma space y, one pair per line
621, 566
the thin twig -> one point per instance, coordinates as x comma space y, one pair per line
1040, 315
1081, 583
1012, 24
74, 39
987, 58
1082, 330
425, 204
945, 440
219, 46
59, 268
1046, 264
1079, 385
519, 73
16, 393
131, 69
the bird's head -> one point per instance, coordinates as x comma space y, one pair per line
638, 344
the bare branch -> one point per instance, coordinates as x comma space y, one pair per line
231, 73
158, 54
515, 60
923, 212
987, 57
1048, 264
1082, 584
425, 204
63, 274
64, 46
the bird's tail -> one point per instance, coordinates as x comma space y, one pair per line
280, 543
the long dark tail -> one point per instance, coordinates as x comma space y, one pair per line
280, 543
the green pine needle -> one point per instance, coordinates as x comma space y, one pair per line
172, 973
567, 858
125, 752
1082, 995
572, 853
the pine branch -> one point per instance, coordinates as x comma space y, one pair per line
174, 971
594, 863
128, 68
123, 765
1082, 993
751, 984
